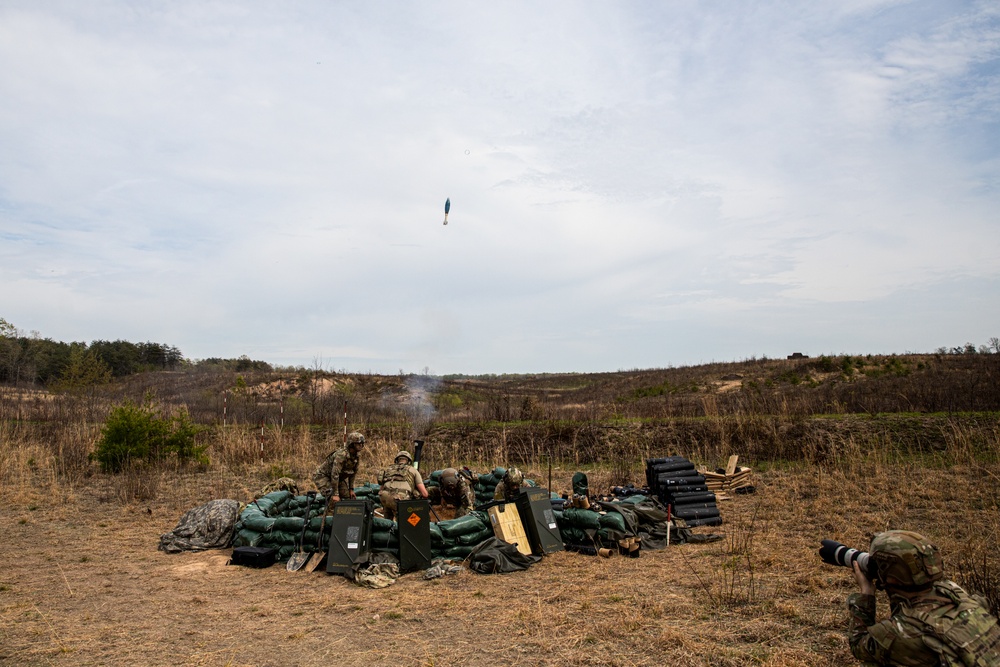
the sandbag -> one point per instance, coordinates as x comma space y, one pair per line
581, 518
288, 524
257, 521
463, 525
381, 523
472, 539
613, 520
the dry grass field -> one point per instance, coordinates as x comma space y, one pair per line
82, 582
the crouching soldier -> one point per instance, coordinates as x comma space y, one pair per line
456, 490
335, 476
400, 481
933, 621
509, 486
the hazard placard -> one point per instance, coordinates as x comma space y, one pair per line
413, 520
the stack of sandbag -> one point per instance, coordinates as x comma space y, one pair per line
486, 485
586, 529
456, 538
276, 519
433, 480
677, 484
385, 535
368, 492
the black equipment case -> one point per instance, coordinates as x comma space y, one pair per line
254, 556
350, 535
414, 524
534, 504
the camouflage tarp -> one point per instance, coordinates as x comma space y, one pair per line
209, 526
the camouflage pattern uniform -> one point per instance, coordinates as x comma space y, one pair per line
459, 494
508, 487
909, 636
399, 482
934, 621
335, 476
281, 484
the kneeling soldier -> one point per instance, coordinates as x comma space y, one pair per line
400, 481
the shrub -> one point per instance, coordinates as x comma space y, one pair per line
136, 433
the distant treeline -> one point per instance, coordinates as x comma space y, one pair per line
36, 360
44, 361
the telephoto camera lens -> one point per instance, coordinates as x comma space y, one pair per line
835, 553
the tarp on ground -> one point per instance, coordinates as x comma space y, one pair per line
494, 556
209, 526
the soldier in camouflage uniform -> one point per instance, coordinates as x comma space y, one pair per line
400, 481
508, 487
335, 476
934, 622
456, 490
281, 484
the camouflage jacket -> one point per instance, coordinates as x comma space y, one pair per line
943, 626
337, 473
460, 495
400, 480
504, 492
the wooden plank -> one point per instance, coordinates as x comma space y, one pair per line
731, 466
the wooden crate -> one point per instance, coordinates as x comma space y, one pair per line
507, 526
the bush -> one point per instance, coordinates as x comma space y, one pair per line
136, 433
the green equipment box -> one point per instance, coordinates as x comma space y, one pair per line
350, 535
534, 504
414, 525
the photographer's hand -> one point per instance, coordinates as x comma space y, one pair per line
867, 588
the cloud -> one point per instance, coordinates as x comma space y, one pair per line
628, 182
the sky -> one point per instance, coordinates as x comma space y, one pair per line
635, 184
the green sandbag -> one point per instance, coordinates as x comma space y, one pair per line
279, 500
613, 520
499, 472
436, 533
288, 524
460, 552
285, 552
277, 538
383, 539
463, 525
247, 538
434, 476
381, 523
573, 535
581, 518
257, 521
472, 539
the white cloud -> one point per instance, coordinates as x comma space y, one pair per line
627, 181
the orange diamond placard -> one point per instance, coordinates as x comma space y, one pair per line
413, 520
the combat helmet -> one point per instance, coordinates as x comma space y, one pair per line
355, 439
513, 477
905, 560
405, 455
449, 477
